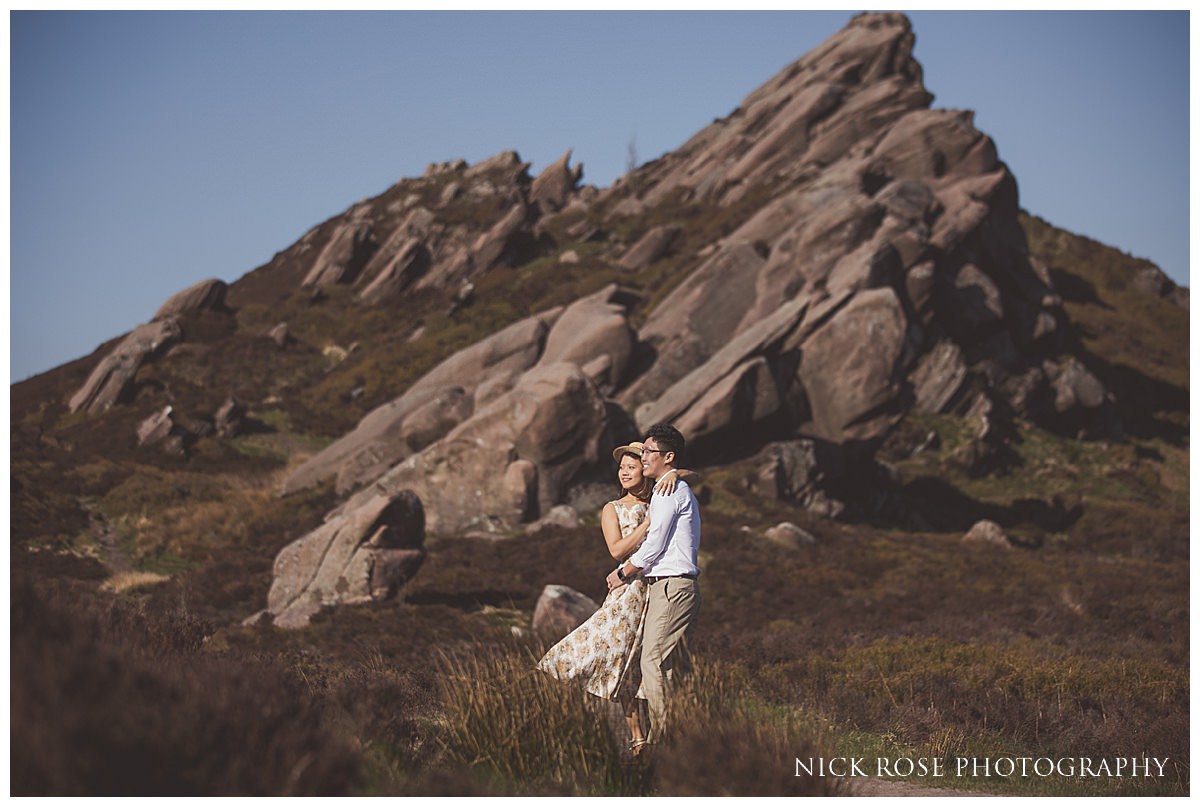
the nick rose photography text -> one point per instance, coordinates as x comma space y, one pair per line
983, 766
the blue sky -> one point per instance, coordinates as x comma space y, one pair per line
152, 150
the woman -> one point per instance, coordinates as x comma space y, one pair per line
603, 653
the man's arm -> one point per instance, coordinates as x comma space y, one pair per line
663, 514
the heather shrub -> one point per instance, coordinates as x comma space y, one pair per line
108, 699
721, 743
530, 731
526, 728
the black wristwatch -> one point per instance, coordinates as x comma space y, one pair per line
621, 574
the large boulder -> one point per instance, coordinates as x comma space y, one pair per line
347, 252
509, 462
789, 536
494, 245
649, 248
851, 368
429, 409
406, 265
156, 428
363, 555
554, 186
693, 322
938, 378
207, 295
560, 610
113, 378
590, 328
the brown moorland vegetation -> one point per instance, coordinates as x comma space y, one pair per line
889, 636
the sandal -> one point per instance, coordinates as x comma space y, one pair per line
636, 746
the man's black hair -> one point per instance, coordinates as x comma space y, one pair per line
668, 438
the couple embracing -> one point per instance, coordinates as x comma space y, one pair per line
636, 643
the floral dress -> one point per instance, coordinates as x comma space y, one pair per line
604, 653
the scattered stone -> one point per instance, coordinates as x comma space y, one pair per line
789, 536
1074, 385
156, 428
561, 610
562, 515
569, 258
280, 335
987, 532
230, 418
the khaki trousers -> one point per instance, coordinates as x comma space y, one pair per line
670, 625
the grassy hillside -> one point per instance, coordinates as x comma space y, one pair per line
885, 638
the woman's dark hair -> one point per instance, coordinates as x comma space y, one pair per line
642, 492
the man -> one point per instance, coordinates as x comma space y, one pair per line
667, 560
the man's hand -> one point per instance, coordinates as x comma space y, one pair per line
612, 579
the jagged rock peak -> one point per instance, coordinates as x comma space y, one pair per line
834, 101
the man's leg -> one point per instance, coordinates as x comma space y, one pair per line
670, 617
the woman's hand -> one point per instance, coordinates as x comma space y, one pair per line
665, 485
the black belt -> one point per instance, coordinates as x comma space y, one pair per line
668, 577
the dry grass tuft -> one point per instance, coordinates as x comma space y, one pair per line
127, 581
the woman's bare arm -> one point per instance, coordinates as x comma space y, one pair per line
619, 546
666, 483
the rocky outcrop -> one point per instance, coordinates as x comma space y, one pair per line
851, 368
901, 214
593, 331
560, 610
867, 260
1152, 280
207, 295
407, 263
510, 461
593, 327
649, 248
440, 400
347, 252
112, 380
363, 555
554, 186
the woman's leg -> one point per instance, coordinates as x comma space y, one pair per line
633, 719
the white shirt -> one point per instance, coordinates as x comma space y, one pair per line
673, 541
